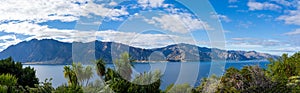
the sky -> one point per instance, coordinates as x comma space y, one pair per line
270, 26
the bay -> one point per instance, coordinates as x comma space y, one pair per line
172, 72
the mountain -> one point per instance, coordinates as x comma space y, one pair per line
50, 51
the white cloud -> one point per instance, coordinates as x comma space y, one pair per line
293, 17
264, 16
245, 24
35, 31
256, 41
262, 6
143, 40
28, 13
291, 49
179, 23
30, 29
22, 16
242, 46
292, 13
283, 2
44, 32
7, 40
221, 17
288, 49
151, 3
271, 46
113, 3
45, 10
242, 39
296, 32
100, 10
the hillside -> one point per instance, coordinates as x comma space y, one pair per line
50, 51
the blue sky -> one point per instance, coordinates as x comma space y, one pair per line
271, 26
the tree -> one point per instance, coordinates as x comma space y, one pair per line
280, 70
255, 80
78, 70
121, 85
283, 68
208, 85
44, 87
73, 86
88, 74
248, 79
26, 76
83, 73
69, 89
147, 78
8, 80
3, 89
71, 76
294, 83
180, 88
96, 87
169, 87
77, 75
146, 82
100, 66
123, 66
117, 80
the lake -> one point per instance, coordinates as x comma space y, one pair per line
173, 72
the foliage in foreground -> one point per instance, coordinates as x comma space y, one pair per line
26, 76
281, 76
16, 79
119, 82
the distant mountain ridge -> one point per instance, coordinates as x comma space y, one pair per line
50, 51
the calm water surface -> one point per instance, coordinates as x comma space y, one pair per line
173, 72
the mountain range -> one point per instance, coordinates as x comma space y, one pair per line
48, 51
